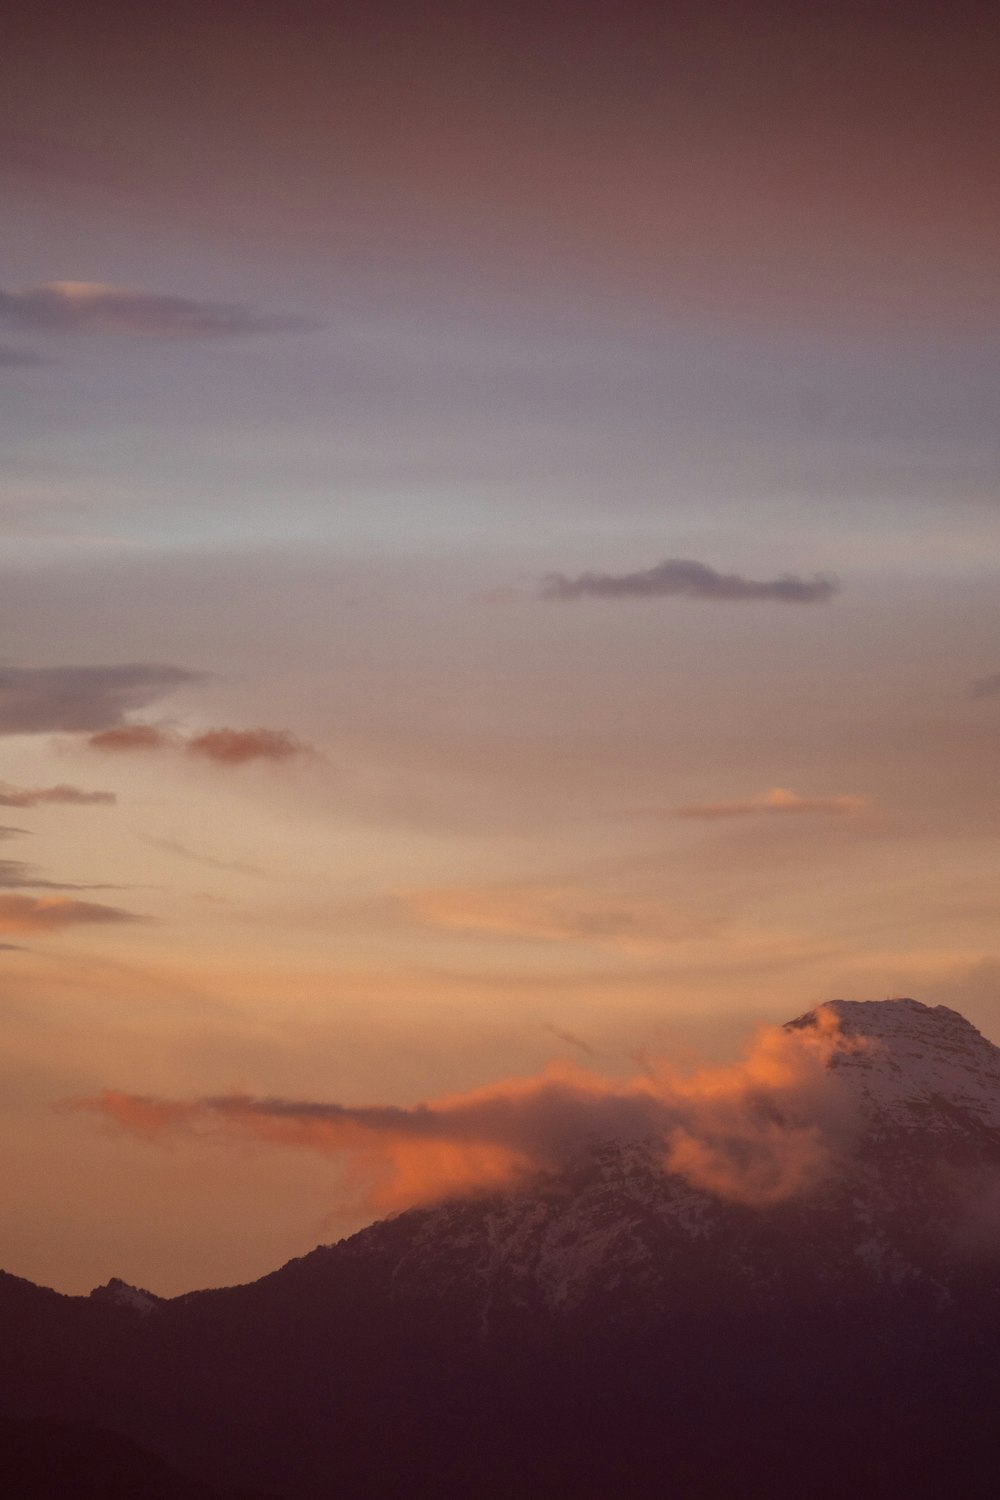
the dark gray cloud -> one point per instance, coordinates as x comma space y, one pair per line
91, 307
33, 796
37, 700
986, 687
570, 1038
682, 577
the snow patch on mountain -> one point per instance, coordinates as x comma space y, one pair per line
920, 1066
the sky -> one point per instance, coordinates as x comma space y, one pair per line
499, 572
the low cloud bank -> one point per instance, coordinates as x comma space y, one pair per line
681, 577
757, 1132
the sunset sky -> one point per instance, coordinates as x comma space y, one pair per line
501, 567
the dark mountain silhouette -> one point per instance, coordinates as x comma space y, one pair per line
608, 1329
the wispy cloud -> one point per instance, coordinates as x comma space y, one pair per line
778, 800
89, 307
550, 913
48, 914
181, 851
679, 577
15, 874
757, 1132
35, 700
25, 796
570, 1038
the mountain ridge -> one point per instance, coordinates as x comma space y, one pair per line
607, 1327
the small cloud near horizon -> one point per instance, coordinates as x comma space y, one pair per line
679, 577
778, 800
91, 307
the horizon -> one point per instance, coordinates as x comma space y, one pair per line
500, 569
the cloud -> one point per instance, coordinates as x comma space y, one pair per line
46, 914
9, 832
757, 1132
23, 796
130, 737
19, 359
986, 687
169, 846
544, 913
228, 747
777, 800
95, 308
681, 577
233, 747
570, 1038
15, 874
35, 700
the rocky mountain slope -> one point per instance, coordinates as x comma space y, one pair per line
608, 1328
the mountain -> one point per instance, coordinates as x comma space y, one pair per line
608, 1328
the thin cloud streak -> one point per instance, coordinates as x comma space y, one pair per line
15, 874
24, 915
679, 577
87, 307
181, 851
778, 800
23, 796
757, 1132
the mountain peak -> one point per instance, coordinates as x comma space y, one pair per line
123, 1295
913, 1065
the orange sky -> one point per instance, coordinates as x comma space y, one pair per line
500, 521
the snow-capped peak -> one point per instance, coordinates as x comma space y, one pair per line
124, 1295
914, 1065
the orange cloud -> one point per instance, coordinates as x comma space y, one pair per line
44, 914
228, 747
23, 796
756, 1132
233, 747
131, 737
777, 799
